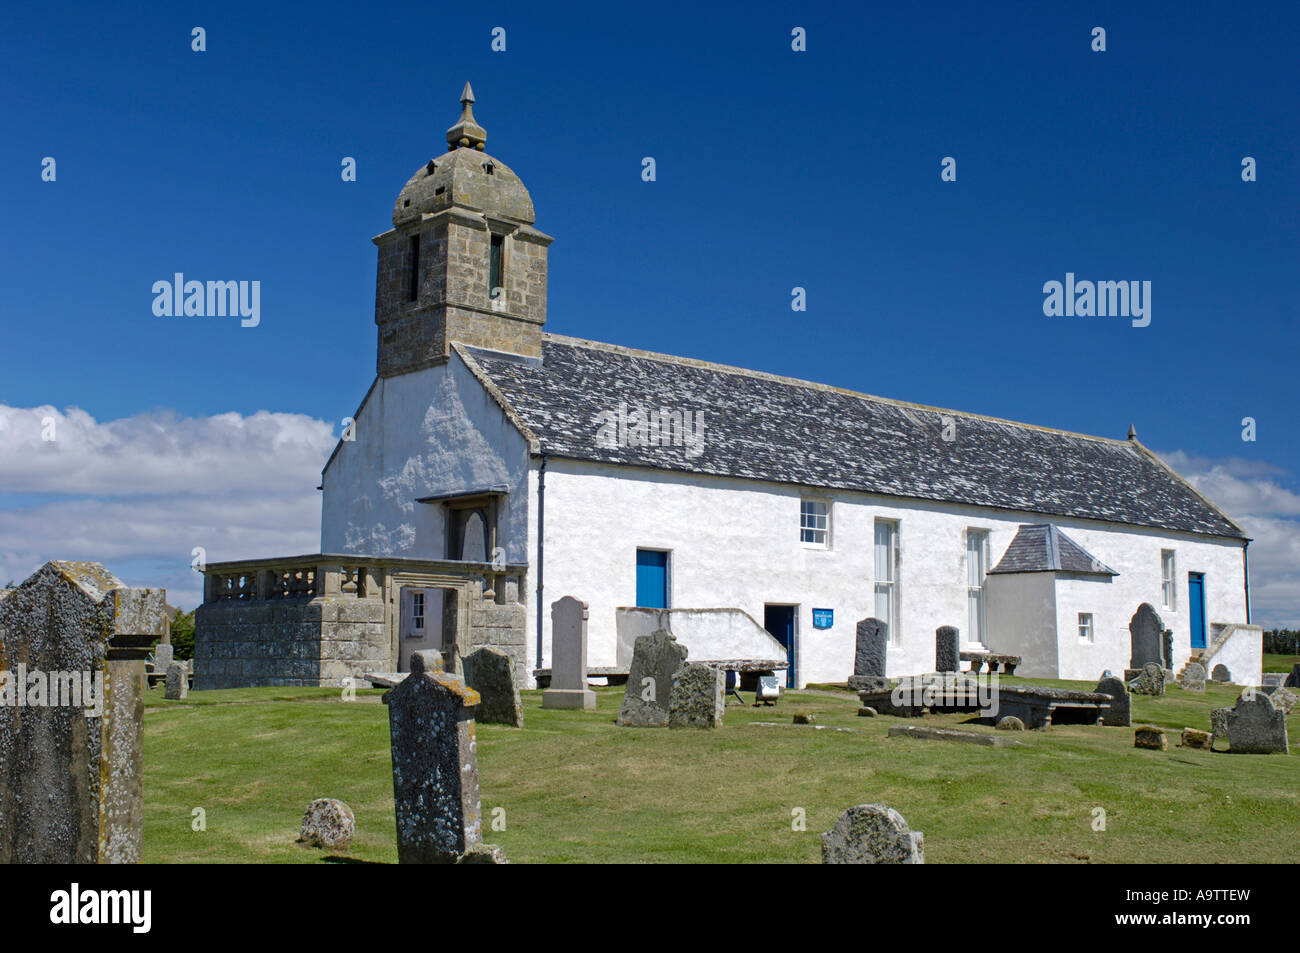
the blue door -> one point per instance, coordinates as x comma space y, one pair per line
652, 579
779, 622
1196, 599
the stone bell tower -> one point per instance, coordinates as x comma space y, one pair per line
462, 261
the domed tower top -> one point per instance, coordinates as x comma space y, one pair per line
462, 261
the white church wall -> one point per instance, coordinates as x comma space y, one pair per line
735, 543
426, 433
1242, 653
1022, 620
1111, 645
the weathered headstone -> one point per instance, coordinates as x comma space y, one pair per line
1195, 738
1120, 712
946, 648
1010, 723
1151, 681
431, 659
489, 671
328, 823
1193, 677
1293, 680
162, 657
803, 718
696, 699
568, 687
177, 686
869, 655
655, 659
1218, 725
435, 768
1221, 674
1274, 679
1167, 649
73, 644
1283, 699
1146, 632
872, 834
1255, 726
1149, 736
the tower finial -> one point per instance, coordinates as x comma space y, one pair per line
1132, 432
466, 134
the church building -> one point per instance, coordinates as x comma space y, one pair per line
633, 479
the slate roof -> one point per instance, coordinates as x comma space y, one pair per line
762, 427
1041, 547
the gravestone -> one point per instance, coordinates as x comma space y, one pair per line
177, 687
1283, 700
1195, 738
1120, 712
1221, 674
1151, 681
872, 834
1167, 649
946, 648
655, 660
1218, 725
435, 769
568, 688
696, 698
489, 671
162, 656
1146, 636
73, 644
1010, 723
328, 823
869, 656
1193, 677
1274, 679
431, 659
1149, 736
1293, 680
1255, 726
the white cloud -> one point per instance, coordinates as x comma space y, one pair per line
1253, 494
138, 494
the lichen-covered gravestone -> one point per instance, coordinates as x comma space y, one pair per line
655, 660
872, 834
1193, 677
1120, 711
1255, 726
328, 823
696, 699
869, 656
1146, 632
1151, 681
946, 648
1283, 699
435, 768
568, 688
489, 671
177, 687
162, 657
73, 644
1221, 674
1149, 736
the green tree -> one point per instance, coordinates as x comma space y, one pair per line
183, 635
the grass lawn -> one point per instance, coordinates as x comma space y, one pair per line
1280, 663
577, 788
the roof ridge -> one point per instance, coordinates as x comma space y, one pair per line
815, 385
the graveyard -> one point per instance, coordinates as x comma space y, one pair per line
572, 786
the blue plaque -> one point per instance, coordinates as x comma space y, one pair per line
823, 618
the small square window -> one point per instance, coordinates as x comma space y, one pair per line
1085, 627
814, 522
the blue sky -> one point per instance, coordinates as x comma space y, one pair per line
775, 169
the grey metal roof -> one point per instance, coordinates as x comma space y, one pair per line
1041, 547
761, 427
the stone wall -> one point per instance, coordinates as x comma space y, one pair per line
317, 641
503, 626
